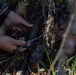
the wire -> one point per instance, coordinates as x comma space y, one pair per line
7, 59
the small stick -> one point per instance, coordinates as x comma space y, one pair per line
43, 10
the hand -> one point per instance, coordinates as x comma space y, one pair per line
15, 20
9, 44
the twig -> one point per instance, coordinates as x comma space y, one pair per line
43, 11
33, 16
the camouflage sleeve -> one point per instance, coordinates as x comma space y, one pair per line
3, 6
4, 11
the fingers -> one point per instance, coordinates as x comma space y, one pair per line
15, 19
9, 49
26, 23
19, 42
16, 29
22, 49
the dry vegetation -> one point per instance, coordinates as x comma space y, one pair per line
53, 20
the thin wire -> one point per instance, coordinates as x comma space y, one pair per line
5, 71
35, 38
32, 40
7, 59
